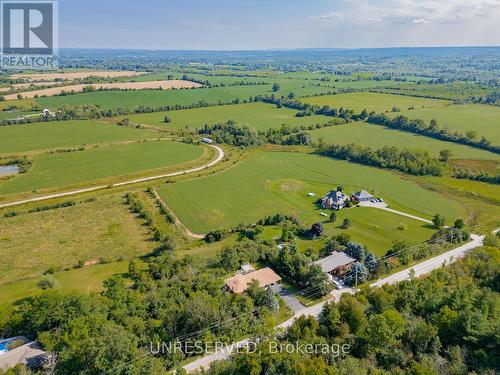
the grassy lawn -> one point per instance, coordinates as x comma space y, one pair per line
32, 242
62, 169
373, 101
475, 188
484, 119
8, 115
378, 136
259, 116
201, 249
268, 183
47, 135
375, 229
67, 282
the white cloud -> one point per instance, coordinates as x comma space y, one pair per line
414, 11
330, 15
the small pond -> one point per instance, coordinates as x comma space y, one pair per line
8, 170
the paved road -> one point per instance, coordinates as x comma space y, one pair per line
385, 207
220, 156
292, 302
419, 269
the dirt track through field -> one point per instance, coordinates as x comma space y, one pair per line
220, 156
165, 85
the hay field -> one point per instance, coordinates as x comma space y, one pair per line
164, 85
374, 101
70, 76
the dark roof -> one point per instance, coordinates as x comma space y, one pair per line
337, 196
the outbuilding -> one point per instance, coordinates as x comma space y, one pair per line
335, 264
362, 196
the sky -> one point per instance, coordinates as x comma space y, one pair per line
276, 24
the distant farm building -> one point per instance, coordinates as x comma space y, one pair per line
266, 278
336, 264
334, 200
362, 196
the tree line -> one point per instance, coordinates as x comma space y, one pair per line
418, 126
244, 136
306, 109
476, 176
415, 162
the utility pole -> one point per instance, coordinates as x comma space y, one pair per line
356, 280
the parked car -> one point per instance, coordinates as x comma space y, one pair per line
338, 284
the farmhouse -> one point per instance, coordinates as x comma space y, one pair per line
334, 200
266, 278
362, 196
335, 264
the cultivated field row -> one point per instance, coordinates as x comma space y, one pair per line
164, 85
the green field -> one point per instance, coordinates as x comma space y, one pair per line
61, 169
48, 135
373, 101
378, 136
259, 116
10, 115
132, 99
484, 119
32, 242
66, 282
269, 183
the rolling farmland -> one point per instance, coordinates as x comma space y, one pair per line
145, 85
483, 119
62, 169
258, 116
86, 232
374, 101
49, 135
280, 182
377, 136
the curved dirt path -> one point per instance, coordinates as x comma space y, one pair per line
178, 222
220, 156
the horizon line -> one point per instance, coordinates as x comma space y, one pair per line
277, 49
